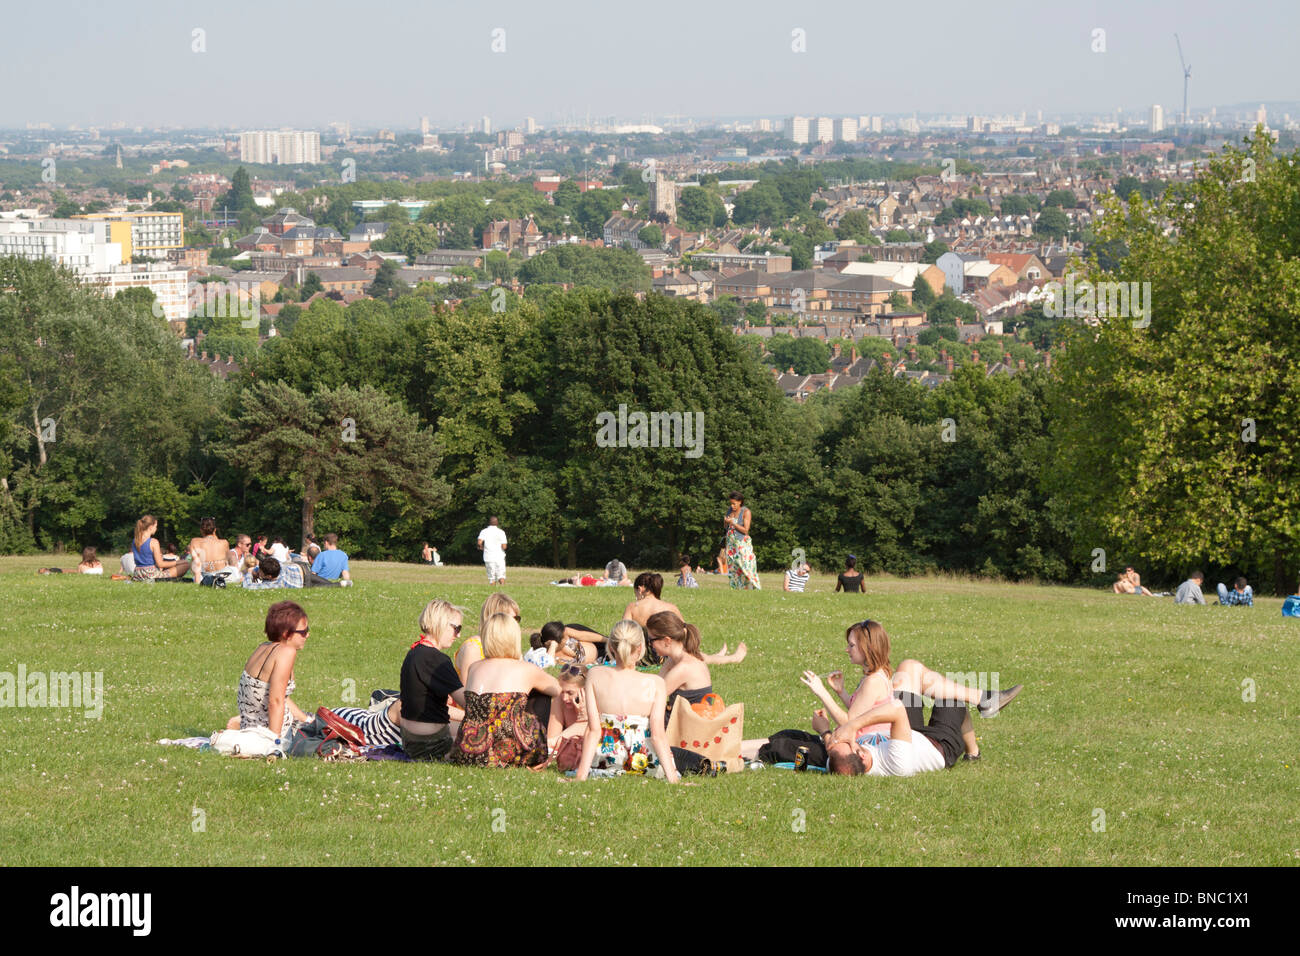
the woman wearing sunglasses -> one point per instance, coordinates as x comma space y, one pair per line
428, 679
497, 602
267, 679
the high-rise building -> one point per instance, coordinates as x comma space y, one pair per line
1261, 116
825, 130
846, 130
279, 147
796, 128
975, 124
1157, 118
424, 126
530, 125
152, 234
487, 125
765, 126
663, 196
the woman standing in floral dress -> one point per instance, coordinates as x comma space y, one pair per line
741, 566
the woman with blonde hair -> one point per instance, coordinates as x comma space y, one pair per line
148, 556
624, 707
428, 680
499, 729
497, 602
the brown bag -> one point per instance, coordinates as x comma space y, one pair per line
717, 738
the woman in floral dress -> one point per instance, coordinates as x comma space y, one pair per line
742, 569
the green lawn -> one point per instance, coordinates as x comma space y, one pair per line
1132, 707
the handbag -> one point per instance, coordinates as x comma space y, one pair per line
253, 742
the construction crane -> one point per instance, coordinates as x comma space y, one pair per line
1187, 75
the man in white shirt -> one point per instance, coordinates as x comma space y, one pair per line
492, 542
1189, 592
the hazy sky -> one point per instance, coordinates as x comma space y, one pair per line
387, 62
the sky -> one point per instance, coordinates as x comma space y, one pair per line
388, 62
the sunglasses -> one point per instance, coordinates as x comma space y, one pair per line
572, 670
456, 628
304, 631
518, 619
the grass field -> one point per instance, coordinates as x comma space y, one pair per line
1132, 707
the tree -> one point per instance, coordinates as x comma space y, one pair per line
933, 250
699, 208
311, 285
1015, 205
761, 204
854, 224
807, 356
387, 285
898, 235
756, 312
898, 301
1211, 477
947, 309
336, 445
593, 210
1052, 223
240, 195
652, 236
922, 293
567, 195
1062, 198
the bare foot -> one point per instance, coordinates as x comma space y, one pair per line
741, 651
232, 723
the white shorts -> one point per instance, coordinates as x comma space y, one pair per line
904, 758
496, 570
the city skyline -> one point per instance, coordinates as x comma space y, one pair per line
405, 61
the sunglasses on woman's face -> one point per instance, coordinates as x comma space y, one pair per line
456, 628
304, 631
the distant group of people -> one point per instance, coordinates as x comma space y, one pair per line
1241, 594
214, 562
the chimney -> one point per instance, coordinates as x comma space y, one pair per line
975, 355
1020, 364
1006, 359
853, 353
835, 350
911, 355
887, 357
947, 364
1047, 360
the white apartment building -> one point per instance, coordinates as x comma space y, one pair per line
279, 147
846, 130
824, 130
796, 128
80, 245
870, 124
167, 282
1157, 118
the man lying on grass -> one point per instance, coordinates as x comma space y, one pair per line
914, 746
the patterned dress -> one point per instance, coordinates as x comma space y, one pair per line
742, 568
624, 747
499, 731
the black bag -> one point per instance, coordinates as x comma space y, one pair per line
782, 746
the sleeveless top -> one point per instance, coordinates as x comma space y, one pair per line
477, 642
254, 698
851, 584
690, 696
143, 554
879, 731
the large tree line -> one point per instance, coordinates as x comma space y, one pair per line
393, 422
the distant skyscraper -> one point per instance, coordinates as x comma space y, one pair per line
285, 147
530, 125
487, 124
825, 129
765, 126
1157, 118
846, 130
1261, 116
424, 126
796, 128
975, 124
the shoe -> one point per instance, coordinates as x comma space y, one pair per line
995, 703
971, 758
755, 765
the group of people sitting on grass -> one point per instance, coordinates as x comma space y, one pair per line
214, 562
608, 710
1240, 594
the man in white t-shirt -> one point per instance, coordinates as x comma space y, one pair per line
492, 542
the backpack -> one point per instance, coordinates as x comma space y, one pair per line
1291, 606
328, 736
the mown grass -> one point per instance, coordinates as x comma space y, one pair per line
1132, 707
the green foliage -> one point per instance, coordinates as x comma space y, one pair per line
587, 266
1052, 223
922, 293
807, 356
854, 224
1176, 439
699, 208
652, 236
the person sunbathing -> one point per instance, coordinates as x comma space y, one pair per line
89, 565
914, 746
